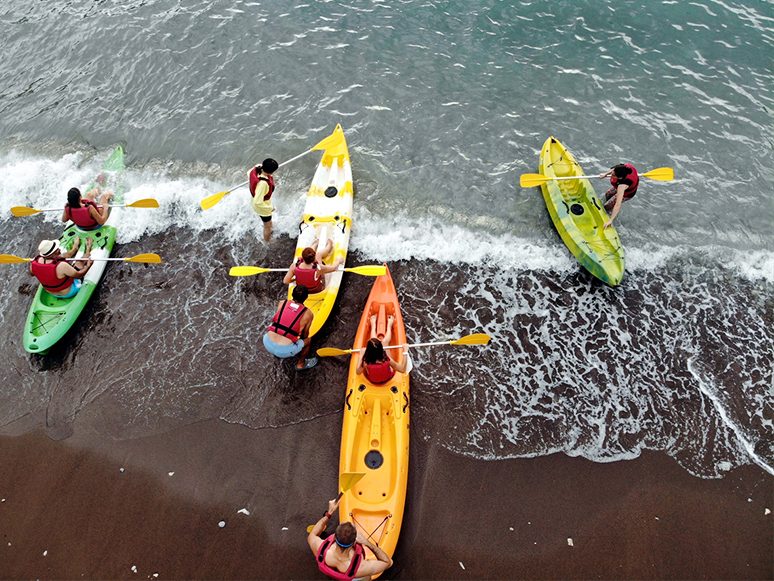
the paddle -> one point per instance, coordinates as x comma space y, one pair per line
25, 211
528, 180
348, 480
149, 258
330, 141
371, 270
474, 339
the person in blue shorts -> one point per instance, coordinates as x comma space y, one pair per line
288, 334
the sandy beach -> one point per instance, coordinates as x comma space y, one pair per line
91, 507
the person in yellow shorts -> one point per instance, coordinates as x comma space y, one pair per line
261, 190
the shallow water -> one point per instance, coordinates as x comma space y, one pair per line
444, 105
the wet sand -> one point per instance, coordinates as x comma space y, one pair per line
70, 512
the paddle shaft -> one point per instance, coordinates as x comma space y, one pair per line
279, 166
98, 206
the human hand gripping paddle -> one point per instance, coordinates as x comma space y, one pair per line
528, 180
330, 141
369, 270
474, 339
348, 480
25, 211
148, 258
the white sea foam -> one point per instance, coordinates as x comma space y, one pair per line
400, 236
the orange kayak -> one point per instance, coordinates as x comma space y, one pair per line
375, 433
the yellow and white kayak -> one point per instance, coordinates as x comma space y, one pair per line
327, 215
375, 431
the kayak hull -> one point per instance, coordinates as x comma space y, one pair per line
327, 215
375, 432
50, 317
579, 215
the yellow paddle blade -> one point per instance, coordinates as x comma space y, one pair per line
475, 339
529, 180
332, 351
11, 259
151, 258
146, 203
208, 203
349, 479
23, 211
374, 270
331, 141
247, 270
662, 174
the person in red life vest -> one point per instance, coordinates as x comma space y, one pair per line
289, 330
342, 555
374, 360
53, 271
309, 269
625, 181
261, 189
84, 211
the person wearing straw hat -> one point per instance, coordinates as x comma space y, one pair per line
53, 271
261, 184
342, 555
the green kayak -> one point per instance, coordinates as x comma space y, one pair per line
579, 216
50, 317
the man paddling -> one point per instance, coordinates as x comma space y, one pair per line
625, 181
289, 330
342, 555
53, 271
261, 189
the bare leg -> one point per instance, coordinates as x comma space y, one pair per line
81, 263
388, 335
323, 254
373, 327
304, 353
267, 231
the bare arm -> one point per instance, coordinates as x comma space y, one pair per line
619, 196
400, 367
360, 365
314, 538
326, 268
370, 567
290, 275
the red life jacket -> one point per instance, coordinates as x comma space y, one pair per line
288, 322
255, 178
81, 216
379, 372
330, 571
46, 274
633, 177
307, 277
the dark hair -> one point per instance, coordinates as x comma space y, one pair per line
621, 171
74, 197
300, 293
346, 533
374, 352
268, 166
308, 254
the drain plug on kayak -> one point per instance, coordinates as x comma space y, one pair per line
331, 192
374, 459
576, 209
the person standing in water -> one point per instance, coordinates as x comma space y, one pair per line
261, 189
625, 181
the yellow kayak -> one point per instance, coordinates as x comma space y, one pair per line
375, 432
327, 215
579, 216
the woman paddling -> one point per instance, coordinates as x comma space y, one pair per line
374, 362
83, 211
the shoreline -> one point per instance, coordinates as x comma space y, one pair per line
639, 519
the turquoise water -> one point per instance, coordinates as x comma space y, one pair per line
445, 105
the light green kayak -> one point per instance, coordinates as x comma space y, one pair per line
579, 215
50, 317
